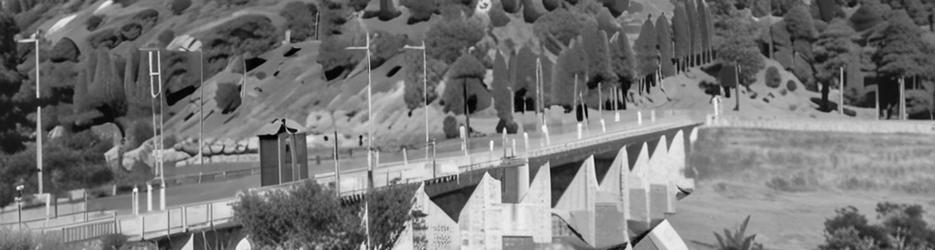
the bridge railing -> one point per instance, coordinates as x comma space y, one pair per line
208, 214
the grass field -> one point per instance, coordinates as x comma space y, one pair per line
791, 182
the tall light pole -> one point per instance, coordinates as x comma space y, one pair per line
425, 93
35, 39
196, 47
370, 120
155, 88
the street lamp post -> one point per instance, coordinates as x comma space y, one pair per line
19, 207
35, 39
370, 120
425, 93
201, 100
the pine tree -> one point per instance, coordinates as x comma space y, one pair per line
694, 22
834, 50
501, 88
681, 33
666, 51
571, 63
646, 51
597, 51
622, 61
707, 29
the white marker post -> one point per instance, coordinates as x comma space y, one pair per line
526, 143
149, 197
136, 201
162, 196
545, 131
579, 130
639, 117
652, 115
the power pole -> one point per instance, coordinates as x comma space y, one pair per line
35, 39
370, 120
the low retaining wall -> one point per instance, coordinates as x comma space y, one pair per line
849, 126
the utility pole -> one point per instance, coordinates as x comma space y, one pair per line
35, 39
737, 87
903, 115
425, 92
370, 120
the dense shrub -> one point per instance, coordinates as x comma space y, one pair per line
178, 6
94, 22
165, 37
773, 79
335, 60
334, 15
533, 10
413, 95
511, 6
420, 10
557, 28
511, 126
73, 161
131, 31
293, 219
228, 97
301, 18
64, 50
902, 226
447, 40
498, 17
12, 239
230, 3
450, 126
791, 86
147, 18
466, 74
738, 239
253, 34
108, 38
385, 46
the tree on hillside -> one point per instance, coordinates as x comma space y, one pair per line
510, 6
681, 34
617, 7
740, 49
11, 112
523, 76
695, 29
501, 86
834, 49
465, 91
557, 28
334, 58
533, 10
666, 52
646, 53
623, 62
568, 75
447, 40
301, 20
870, 13
919, 12
414, 96
607, 22
704, 25
902, 53
802, 31
420, 10
597, 52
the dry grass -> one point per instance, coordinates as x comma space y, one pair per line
801, 161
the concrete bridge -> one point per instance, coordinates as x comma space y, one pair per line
573, 177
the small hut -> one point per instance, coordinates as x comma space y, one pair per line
283, 152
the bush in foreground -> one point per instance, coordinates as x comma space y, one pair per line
311, 216
12, 239
738, 240
901, 226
